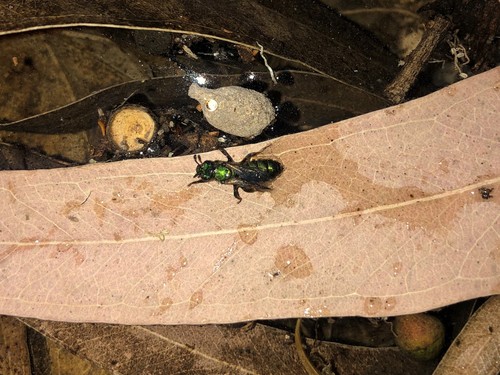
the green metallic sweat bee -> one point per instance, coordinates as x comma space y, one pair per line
249, 174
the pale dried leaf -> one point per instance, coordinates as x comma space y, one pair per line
374, 216
476, 350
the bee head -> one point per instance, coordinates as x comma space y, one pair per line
205, 170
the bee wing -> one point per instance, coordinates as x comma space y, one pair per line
246, 173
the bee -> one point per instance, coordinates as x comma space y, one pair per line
251, 174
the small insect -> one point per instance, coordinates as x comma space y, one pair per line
486, 192
251, 174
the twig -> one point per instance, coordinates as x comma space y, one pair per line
271, 72
300, 351
398, 88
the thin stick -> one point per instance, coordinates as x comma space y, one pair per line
271, 72
300, 351
435, 31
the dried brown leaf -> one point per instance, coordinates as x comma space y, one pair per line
375, 216
215, 349
14, 356
476, 349
177, 349
313, 35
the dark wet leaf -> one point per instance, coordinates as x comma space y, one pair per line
82, 114
14, 157
313, 35
352, 83
316, 100
45, 70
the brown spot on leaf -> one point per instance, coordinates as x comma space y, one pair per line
117, 236
13, 192
396, 268
73, 218
170, 203
63, 247
131, 213
170, 273
248, 233
70, 206
444, 166
451, 91
290, 202
99, 209
78, 257
144, 186
390, 111
195, 299
389, 303
117, 197
165, 304
183, 261
372, 305
292, 260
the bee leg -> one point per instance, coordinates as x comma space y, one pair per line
226, 154
252, 154
249, 157
196, 182
247, 188
236, 193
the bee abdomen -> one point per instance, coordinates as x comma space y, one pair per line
271, 167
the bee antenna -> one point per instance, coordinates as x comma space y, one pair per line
197, 160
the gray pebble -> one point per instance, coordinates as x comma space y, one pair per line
234, 110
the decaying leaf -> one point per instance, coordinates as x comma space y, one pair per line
177, 349
13, 350
42, 71
213, 349
375, 216
475, 349
307, 35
